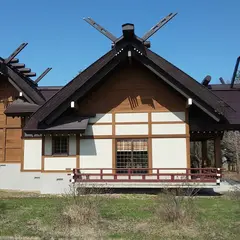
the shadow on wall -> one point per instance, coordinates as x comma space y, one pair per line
180, 115
88, 147
131, 88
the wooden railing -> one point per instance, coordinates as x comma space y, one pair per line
172, 175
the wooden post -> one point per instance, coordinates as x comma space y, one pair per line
204, 154
217, 152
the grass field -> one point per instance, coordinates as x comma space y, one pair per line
116, 217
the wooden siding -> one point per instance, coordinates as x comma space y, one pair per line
10, 128
132, 89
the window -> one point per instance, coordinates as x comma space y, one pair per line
60, 145
132, 153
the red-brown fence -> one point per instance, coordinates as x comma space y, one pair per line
151, 175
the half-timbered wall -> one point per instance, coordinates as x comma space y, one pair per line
10, 128
134, 103
131, 103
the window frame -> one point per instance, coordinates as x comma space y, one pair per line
132, 140
53, 146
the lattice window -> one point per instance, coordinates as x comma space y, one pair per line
59, 145
132, 153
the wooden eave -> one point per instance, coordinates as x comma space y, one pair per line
22, 83
80, 85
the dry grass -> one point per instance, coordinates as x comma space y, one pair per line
114, 216
6, 194
232, 175
176, 207
234, 194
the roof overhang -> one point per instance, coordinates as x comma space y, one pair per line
20, 108
65, 125
216, 117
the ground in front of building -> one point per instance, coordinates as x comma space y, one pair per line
117, 216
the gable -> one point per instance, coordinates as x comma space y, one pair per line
131, 88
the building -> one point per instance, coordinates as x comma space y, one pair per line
131, 109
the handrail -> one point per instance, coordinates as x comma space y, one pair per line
147, 175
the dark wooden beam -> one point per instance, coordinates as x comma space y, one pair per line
20, 90
18, 65
30, 74
235, 72
15, 53
24, 70
14, 60
217, 152
204, 154
222, 80
43, 75
206, 80
25, 87
81, 92
100, 29
172, 82
128, 30
160, 24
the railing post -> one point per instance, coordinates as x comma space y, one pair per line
129, 172
218, 180
158, 177
101, 174
187, 173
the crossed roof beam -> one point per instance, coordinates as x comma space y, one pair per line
144, 38
13, 62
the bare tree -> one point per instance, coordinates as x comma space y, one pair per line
231, 148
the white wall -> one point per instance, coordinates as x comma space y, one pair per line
168, 116
32, 154
131, 117
46, 183
101, 118
99, 130
59, 163
133, 129
96, 153
177, 128
169, 153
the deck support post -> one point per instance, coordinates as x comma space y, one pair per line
204, 154
217, 152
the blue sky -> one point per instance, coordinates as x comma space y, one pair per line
202, 39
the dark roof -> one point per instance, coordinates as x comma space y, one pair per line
72, 124
22, 83
184, 80
48, 91
232, 97
68, 90
20, 107
80, 85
